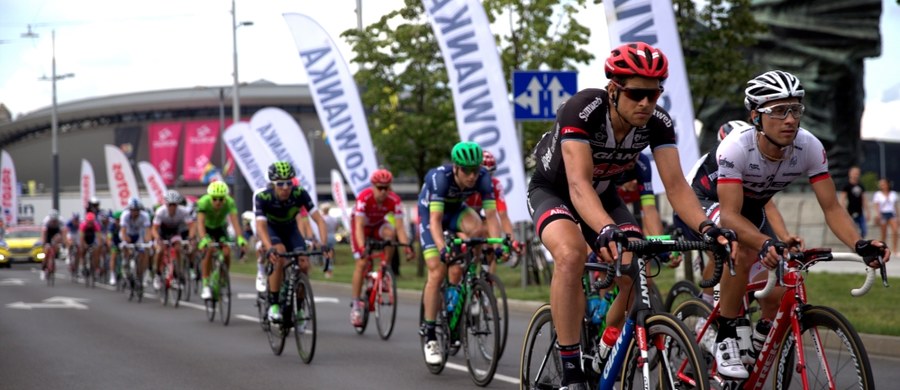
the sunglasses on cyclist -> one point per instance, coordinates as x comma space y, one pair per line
383, 188
780, 111
639, 94
217, 198
470, 170
283, 183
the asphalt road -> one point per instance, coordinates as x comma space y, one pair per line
96, 339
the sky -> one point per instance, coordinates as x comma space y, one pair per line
118, 47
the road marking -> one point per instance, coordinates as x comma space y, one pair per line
52, 303
247, 318
192, 305
462, 368
12, 282
247, 295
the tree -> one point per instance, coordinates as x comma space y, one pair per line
403, 85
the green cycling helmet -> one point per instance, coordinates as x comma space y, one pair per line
281, 170
467, 154
217, 188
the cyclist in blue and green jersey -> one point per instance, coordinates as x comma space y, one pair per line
278, 219
442, 207
215, 211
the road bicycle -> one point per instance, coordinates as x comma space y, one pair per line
298, 308
188, 271
133, 279
380, 293
808, 346
650, 349
173, 282
219, 285
88, 269
474, 322
50, 262
534, 258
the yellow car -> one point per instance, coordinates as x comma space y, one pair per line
24, 243
4, 255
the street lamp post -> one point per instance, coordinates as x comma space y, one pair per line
236, 104
54, 125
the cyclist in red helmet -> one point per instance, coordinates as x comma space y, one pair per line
373, 205
598, 135
474, 201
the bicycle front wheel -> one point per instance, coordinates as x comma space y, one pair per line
224, 295
481, 328
500, 293
304, 315
670, 347
539, 365
386, 304
835, 356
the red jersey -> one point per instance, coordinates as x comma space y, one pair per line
373, 212
474, 200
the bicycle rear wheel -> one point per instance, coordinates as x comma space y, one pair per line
830, 345
441, 330
694, 313
539, 364
304, 318
680, 292
212, 302
670, 346
186, 278
224, 295
386, 304
364, 310
481, 328
499, 291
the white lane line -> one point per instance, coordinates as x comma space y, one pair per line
192, 305
462, 368
247, 318
247, 295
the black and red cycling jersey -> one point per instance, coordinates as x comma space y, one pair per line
585, 118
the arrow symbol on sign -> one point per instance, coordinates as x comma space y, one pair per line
558, 95
531, 98
52, 303
12, 282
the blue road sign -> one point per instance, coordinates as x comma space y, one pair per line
537, 94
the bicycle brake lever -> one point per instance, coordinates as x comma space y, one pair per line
882, 268
619, 259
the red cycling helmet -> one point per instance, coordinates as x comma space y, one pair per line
637, 59
90, 217
382, 177
489, 161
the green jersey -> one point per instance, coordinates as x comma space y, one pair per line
215, 218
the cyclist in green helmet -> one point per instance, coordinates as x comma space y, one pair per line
442, 208
215, 211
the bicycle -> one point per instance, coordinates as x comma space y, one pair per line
173, 282
50, 262
133, 279
187, 271
220, 286
380, 294
87, 267
838, 357
480, 322
650, 340
535, 259
298, 309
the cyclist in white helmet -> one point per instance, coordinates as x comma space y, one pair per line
171, 222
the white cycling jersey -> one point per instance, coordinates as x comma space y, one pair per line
179, 220
135, 226
741, 162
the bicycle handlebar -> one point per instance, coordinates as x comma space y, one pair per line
373, 245
654, 246
812, 256
300, 253
140, 245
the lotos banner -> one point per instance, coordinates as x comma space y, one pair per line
282, 135
340, 196
122, 185
250, 154
480, 98
153, 182
9, 194
653, 22
199, 143
337, 100
88, 184
164, 139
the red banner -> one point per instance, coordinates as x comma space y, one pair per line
199, 142
164, 138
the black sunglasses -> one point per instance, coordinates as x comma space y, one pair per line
639, 94
283, 183
383, 188
217, 198
470, 170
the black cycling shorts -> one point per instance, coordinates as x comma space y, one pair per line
546, 206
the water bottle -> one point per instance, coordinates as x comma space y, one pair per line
452, 298
744, 333
593, 306
760, 332
610, 335
370, 280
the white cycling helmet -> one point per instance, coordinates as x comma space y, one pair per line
726, 128
172, 196
772, 85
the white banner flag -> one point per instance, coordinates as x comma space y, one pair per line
252, 156
88, 184
285, 139
153, 181
480, 98
340, 197
337, 100
653, 22
120, 176
9, 194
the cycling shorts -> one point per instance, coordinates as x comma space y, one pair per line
289, 236
373, 232
546, 206
450, 222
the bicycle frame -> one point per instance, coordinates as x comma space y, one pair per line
371, 255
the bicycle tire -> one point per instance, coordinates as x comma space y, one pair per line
441, 330
211, 303
694, 313
304, 319
224, 295
276, 334
262, 306
844, 352
499, 290
679, 347
186, 276
363, 299
681, 291
539, 364
480, 333
386, 305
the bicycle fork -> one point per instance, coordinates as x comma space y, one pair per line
617, 355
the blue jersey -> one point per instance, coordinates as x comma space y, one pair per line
643, 173
267, 206
441, 193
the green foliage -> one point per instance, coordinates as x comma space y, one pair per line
714, 40
869, 181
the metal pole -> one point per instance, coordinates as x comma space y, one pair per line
359, 15
236, 105
222, 127
54, 129
881, 156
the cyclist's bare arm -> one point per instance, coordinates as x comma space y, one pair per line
493, 223
731, 200
358, 231
776, 221
652, 222
235, 223
262, 231
401, 231
579, 170
320, 223
154, 232
836, 216
201, 225
679, 193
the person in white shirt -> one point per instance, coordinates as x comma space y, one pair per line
885, 202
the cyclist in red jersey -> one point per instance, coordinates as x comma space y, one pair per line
369, 221
474, 201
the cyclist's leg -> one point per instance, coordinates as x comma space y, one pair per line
387, 232
466, 222
626, 221
436, 272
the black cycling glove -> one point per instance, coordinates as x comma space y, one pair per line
609, 233
865, 248
780, 248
